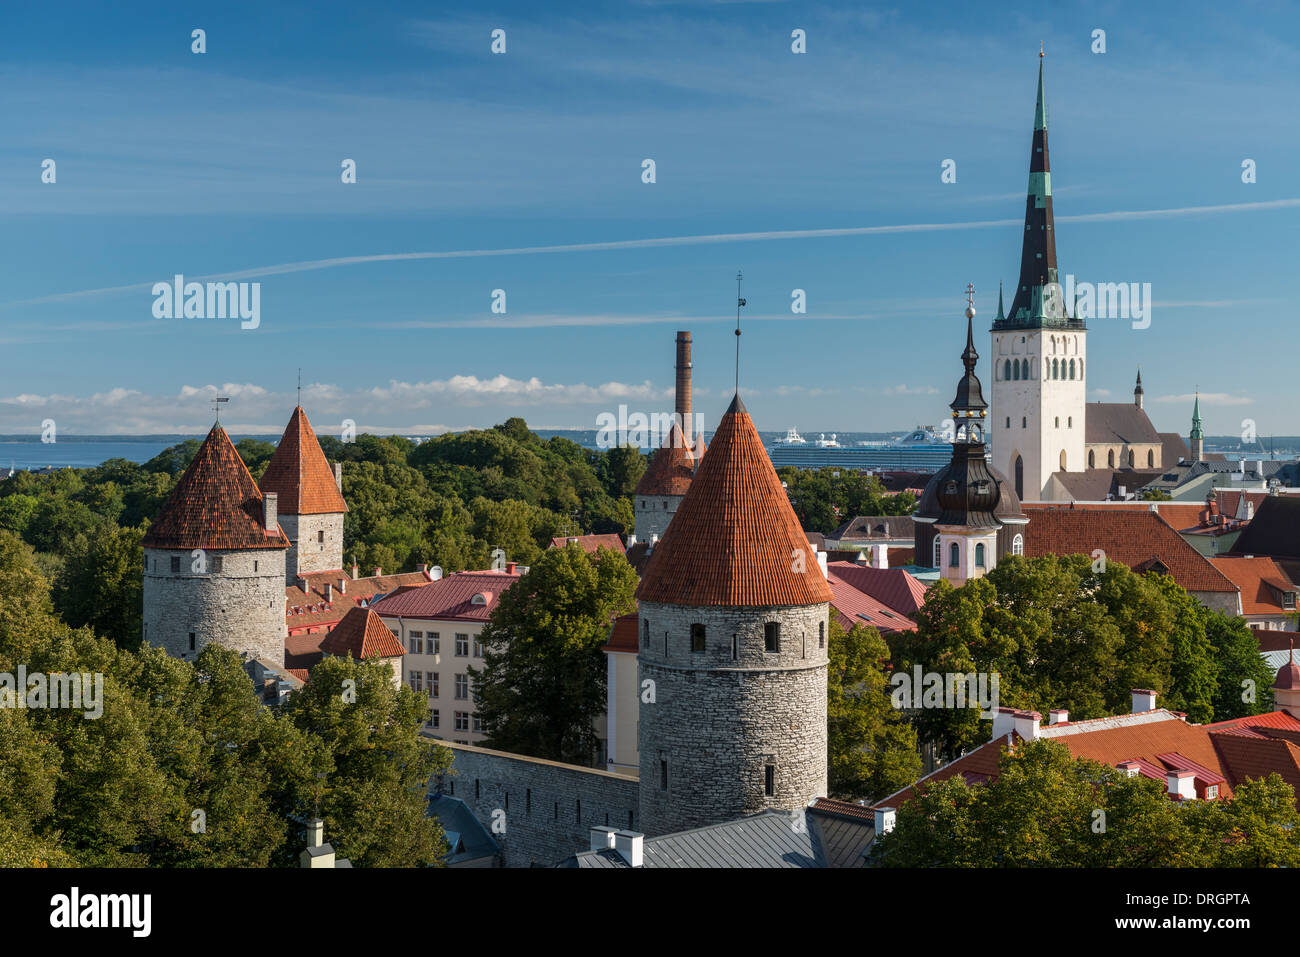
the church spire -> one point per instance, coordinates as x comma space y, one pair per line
968, 407
1197, 432
1038, 301
1138, 390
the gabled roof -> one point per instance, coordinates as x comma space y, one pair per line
671, 467
767, 839
299, 474
623, 635
1096, 485
1173, 448
361, 634
1119, 423
1261, 582
450, 598
734, 540
590, 543
1230, 501
1275, 530
852, 607
878, 527
216, 505
1156, 742
894, 587
309, 608
1133, 537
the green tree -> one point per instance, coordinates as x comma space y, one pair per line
543, 678
101, 584
374, 801
871, 748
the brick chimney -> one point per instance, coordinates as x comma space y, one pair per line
1182, 784
682, 408
270, 511
329, 593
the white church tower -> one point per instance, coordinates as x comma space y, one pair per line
1039, 351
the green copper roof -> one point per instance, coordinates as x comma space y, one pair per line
1040, 114
1196, 419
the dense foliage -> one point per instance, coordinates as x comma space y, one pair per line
449, 501
824, 499
1061, 635
543, 681
1046, 809
182, 767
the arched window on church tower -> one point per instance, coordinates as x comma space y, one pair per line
1092, 459
1110, 459
1024, 368
954, 556
1006, 370
979, 554
1151, 458
1071, 368
1015, 371
1018, 545
1019, 469
1055, 368
1130, 458
938, 551
1062, 460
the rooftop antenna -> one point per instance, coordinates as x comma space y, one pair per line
216, 406
739, 302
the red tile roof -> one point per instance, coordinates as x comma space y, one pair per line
310, 609
1261, 582
451, 598
361, 634
894, 587
734, 540
590, 543
1133, 537
623, 635
843, 808
299, 474
1226, 753
216, 504
854, 607
671, 467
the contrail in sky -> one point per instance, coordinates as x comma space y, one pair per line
667, 241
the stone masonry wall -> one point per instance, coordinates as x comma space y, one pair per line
307, 553
547, 808
240, 607
652, 514
719, 717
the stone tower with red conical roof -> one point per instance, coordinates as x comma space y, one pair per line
310, 500
214, 561
733, 617
663, 486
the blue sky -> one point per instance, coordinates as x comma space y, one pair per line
228, 163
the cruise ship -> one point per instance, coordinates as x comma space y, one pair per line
921, 450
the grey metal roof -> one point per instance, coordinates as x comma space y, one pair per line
468, 838
768, 839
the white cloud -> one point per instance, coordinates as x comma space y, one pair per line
910, 390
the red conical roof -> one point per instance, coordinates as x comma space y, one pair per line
215, 505
734, 540
361, 634
671, 467
299, 474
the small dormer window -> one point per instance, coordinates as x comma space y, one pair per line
1211, 792
480, 599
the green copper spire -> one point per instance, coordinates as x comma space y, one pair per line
1001, 316
1196, 419
1040, 114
